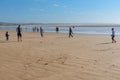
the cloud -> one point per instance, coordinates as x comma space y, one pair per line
64, 6
56, 5
40, 0
36, 9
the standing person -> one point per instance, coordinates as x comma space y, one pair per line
19, 35
7, 35
113, 36
37, 29
57, 29
41, 31
70, 32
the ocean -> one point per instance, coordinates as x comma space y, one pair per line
76, 30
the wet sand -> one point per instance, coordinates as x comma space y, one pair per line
57, 57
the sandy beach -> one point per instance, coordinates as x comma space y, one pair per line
57, 57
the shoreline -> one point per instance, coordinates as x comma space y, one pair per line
77, 30
60, 33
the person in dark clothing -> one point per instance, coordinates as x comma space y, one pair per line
57, 29
19, 35
33, 29
113, 36
7, 36
37, 29
70, 32
41, 31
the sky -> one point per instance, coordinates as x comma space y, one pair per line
60, 11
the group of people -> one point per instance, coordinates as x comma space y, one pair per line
70, 31
35, 29
19, 34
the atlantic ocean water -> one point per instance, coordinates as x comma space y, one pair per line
76, 30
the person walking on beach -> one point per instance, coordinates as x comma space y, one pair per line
7, 35
41, 31
113, 36
70, 32
19, 35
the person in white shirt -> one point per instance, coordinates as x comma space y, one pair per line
113, 36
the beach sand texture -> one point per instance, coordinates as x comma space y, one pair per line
57, 57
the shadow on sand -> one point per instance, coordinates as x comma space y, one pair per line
8, 41
104, 43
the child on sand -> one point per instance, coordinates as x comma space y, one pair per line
7, 36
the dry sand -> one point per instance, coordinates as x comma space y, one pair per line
57, 57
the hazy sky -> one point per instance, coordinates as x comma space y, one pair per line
60, 11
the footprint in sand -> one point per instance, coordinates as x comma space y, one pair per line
27, 65
82, 67
41, 42
113, 65
41, 59
62, 60
46, 64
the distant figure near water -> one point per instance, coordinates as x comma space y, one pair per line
37, 29
70, 32
41, 31
19, 35
7, 35
113, 36
57, 29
